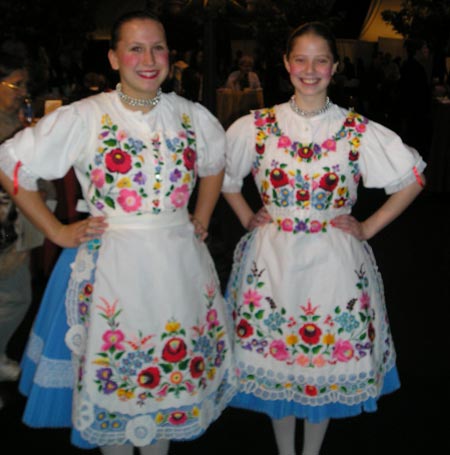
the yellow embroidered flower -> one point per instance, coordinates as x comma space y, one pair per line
328, 338
124, 182
159, 418
100, 150
265, 185
102, 362
187, 178
195, 411
316, 175
288, 385
172, 326
106, 120
186, 118
124, 394
334, 387
260, 136
211, 373
342, 191
356, 142
157, 185
291, 339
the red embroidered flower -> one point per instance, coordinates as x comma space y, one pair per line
311, 390
305, 152
149, 378
353, 155
189, 157
174, 350
302, 195
177, 417
278, 178
310, 333
329, 181
118, 161
349, 122
197, 367
260, 148
244, 329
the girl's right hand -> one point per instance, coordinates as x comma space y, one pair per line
260, 218
74, 234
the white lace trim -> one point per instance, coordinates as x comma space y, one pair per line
407, 179
8, 163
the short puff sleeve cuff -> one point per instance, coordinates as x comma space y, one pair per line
211, 142
46, 150
240, 153
386, 162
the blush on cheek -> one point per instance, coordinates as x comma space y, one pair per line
129, 60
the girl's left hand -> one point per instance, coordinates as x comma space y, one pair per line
350, 225
200, 231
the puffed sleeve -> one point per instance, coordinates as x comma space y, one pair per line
240, 153
46, 150
386, 162
211, 142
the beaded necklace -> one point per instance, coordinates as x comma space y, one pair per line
303, 113
138, 102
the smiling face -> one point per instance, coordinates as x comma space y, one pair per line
141, 56
311, 65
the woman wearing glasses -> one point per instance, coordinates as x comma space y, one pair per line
15, 277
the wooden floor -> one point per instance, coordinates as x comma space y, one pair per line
413, 255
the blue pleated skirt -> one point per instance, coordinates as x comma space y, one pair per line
47, 374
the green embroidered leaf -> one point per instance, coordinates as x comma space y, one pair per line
304, 348
259, 314
109, 178
110, 142
316, 349
184, 364
110, 202
167, 367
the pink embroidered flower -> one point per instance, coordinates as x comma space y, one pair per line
319, 361
113, 339
211, 317
121, 135
252, 296
302, 360
365, 300
98, 178
360, 127
180, 196
278, 350
329, 144
163, 391
284, 142
316, 226
343, 351
287, 225
129, 200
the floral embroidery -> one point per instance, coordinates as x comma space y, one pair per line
131, 368
288, 187
310, 339
120, 181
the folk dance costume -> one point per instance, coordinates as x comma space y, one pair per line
147, 326
312, 336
